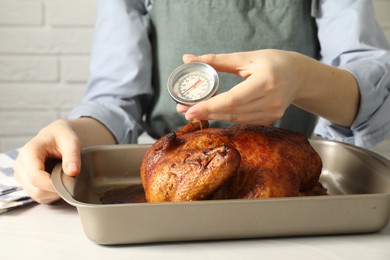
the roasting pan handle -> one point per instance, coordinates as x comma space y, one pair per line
63, 184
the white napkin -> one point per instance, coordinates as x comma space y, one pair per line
11, 193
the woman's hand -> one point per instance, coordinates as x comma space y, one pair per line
57, 140
274, 79
62, 139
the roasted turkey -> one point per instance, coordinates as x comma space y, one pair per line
240, 162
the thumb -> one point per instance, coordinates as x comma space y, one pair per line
71, 159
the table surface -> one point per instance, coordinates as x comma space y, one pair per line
55, 232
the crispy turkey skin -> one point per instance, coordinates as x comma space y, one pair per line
240, 162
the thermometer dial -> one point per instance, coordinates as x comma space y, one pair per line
193, 82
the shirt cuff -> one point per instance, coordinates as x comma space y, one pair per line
124, 129
371, 124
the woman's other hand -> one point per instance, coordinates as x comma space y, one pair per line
62, 139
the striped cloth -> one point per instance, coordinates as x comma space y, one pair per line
11, 193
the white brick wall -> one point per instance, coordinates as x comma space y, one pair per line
44, 55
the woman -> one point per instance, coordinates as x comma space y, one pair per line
300, 59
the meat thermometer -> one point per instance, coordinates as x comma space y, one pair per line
193, 82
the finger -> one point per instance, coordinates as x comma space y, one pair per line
259, 122
220, 104
261, 118
251, 112
228, 102
37, 194
263, 109
181, 108
31, 168
69, 146
235, 63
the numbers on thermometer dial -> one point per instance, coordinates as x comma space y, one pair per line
193, 86
192, 82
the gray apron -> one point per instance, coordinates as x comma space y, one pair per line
223, 26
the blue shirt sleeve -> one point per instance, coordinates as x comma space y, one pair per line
351, 39
119, 87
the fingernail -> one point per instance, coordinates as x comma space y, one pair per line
189, 57
72, 167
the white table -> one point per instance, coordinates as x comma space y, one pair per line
55, 232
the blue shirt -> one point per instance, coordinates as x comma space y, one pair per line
121, 68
